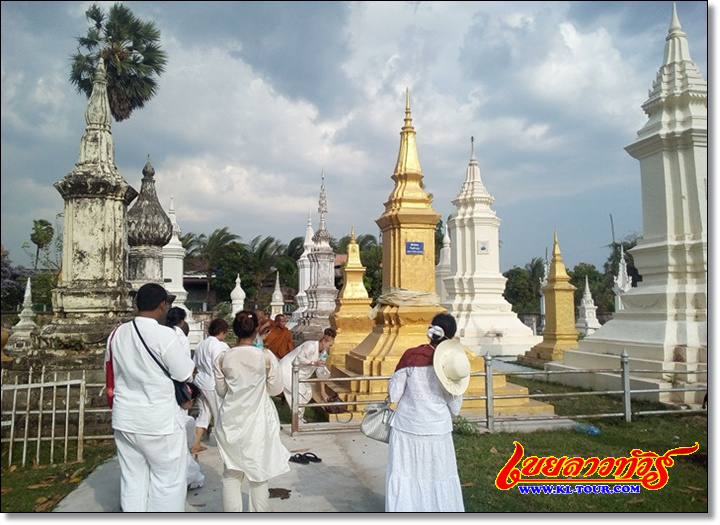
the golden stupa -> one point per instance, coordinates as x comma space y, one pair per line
408, 301
560, 333
351, 318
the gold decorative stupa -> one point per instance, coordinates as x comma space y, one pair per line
351, 318
560, 333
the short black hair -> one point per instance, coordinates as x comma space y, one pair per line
174, 316
447, 323
149, 296
218, 326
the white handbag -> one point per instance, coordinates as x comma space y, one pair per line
376, 422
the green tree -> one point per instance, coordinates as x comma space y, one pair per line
133, 58
295, 248
263, 257
602, 293
371, 259
518, 291
207, 251
41, 236
536, 271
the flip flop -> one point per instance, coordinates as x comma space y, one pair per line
312, 457
299, 458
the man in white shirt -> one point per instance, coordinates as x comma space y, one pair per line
148, 423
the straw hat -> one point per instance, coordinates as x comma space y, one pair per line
452, 366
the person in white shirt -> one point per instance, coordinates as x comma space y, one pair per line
427, 386
248, 427
310, 356
206, 354
149, 425
175, 319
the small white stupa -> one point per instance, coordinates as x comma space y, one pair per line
237, 296
587, 321
276, 301
442, 269
303, 265
622, 283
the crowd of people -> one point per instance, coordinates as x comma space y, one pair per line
158, 441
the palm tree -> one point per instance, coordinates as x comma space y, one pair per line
132, 54
295, 248
264, 254
41, 236
536, 271
208, 250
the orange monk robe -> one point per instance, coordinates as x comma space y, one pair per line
279, 341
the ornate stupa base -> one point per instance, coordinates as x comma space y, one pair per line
352, 328
548, 351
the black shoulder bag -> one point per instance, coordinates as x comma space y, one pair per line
184, 390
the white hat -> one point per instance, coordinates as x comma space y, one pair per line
452, 366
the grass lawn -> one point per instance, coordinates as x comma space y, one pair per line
480, 458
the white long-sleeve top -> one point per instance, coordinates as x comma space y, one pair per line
144, 397
307, 353
184, 341
424, 407
248, 429
206, 355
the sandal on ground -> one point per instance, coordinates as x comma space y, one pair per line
197, 449
299, 458
312, 457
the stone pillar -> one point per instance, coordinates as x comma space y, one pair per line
560, 333
351, 319
94, 294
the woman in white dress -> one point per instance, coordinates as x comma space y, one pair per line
422, 470
206, 353
248, 427
310, 357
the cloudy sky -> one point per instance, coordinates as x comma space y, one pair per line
259, 98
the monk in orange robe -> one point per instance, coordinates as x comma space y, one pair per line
279, 341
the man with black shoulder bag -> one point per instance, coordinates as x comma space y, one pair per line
142, 359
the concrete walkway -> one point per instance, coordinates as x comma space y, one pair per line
350, 478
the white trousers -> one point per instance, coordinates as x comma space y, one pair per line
259, 497
207, 404
195, 478
152, 471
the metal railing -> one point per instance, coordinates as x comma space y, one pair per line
490, 418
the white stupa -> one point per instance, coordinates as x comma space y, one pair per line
237, 297
442, 269
486, 322
663, 323
622, 282
587, 321
276, 301
303, 265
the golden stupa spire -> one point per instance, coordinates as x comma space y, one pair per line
408, 161
557, 267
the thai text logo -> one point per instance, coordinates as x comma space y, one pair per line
647, 468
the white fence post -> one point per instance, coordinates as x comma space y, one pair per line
489, 405
295, 424
625, 365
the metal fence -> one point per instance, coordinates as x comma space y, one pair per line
490, 418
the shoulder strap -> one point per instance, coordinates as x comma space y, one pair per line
149, 352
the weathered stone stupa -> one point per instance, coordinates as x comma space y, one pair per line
303, 265
321, 293
559, 333
663, 323
149, 229
20, 339
475, 286
94, 294
351, 320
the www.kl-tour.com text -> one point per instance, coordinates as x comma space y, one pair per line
580, 489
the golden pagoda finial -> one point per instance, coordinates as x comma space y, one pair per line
557, 267
408, 173
352, 234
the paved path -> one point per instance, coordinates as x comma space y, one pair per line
350, 478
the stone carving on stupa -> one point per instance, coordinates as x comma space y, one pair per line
587, 321
442, 269
321, 293
475, 286
276, 301
303, 265
351, 319
149, 229
622, 282
237, 297
94, 293
560, 333
19, 340
173, 270
663, 324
